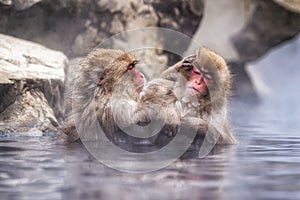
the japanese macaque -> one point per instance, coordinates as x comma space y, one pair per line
212, 90
107, 86
193, 93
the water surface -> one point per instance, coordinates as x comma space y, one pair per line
265, 164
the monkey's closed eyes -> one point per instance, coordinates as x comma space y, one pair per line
193, 79
205, 73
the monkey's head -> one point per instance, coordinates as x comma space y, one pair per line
196, 80
203, 74
121, 71
187, 77
212, 74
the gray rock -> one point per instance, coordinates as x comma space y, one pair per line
6, 2
292, 5
19, 4
244, 31
215, 31
31, 85
179, 15
75, 27
269, 25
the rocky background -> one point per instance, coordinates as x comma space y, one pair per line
41, 41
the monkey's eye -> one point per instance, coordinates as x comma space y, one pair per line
205, 73
207, 76
132, 65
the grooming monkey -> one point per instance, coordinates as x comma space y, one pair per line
191, 93
108, 86
109, 77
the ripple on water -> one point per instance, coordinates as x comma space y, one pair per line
265, 164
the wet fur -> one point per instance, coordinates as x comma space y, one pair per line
182, 108
110, 66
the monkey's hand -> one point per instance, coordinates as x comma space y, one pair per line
172, 122
189, 59
142, 117
170, 129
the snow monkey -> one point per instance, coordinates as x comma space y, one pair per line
193, 93
107, 84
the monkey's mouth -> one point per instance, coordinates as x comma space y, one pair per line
196, 90
199, 90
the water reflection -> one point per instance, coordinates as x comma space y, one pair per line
264, 165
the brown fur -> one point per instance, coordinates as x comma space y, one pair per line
101, 74
175, 105
213, 106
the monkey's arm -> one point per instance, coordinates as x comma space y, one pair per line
157, 102
124, 111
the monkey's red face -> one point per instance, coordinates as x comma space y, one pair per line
199, 81
137, 77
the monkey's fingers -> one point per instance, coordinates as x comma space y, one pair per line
190, 58
143, 122
170, 129
142, 118
187, 64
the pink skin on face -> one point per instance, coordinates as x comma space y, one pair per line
138, 77
198, 82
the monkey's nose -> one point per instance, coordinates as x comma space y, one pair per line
198, 81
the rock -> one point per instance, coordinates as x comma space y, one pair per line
246, 31
75, 27
86, 41
215, 31
268, 26
24, 4
179, 15
31, 85
292, 5
19, 4
6, 2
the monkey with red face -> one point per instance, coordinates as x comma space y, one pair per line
193, 93
117, 94
212, 89
108, 86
